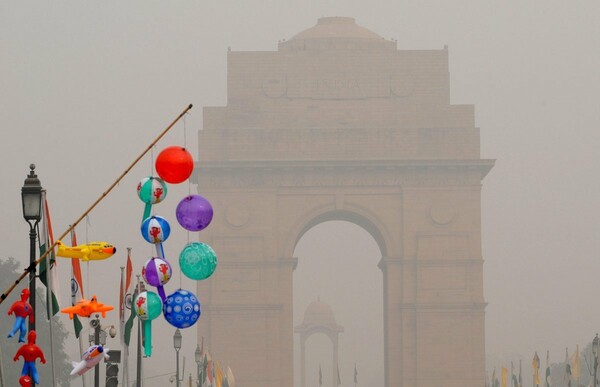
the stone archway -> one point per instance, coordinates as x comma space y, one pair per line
338, 121
318, 318
338, 263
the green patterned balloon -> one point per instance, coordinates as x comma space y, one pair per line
152, 190
148, 306
198, 261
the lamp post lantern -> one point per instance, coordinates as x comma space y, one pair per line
95, 324
99, 338
31, 197
595, 348
177, 346
198, 358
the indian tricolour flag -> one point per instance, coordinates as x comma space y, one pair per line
230, 378
46, 240
218, 375
76, 285
125, 297
127, 301
210, 369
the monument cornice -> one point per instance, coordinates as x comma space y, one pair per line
459, 306
312, 173
411, 261
482, 165
241, 307
239, 264
384, 262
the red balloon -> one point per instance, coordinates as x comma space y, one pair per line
174, 164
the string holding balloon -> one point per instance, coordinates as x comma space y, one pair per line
148, 306
197, 260
181, 309
157, 270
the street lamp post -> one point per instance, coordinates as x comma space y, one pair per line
99, 338
177, 346
595, 345
31, 196
97, 328
197, 357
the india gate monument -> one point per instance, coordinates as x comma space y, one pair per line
340, 124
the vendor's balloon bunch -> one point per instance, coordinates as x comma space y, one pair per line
197, 260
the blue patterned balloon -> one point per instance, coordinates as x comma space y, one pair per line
155, 229
181, 309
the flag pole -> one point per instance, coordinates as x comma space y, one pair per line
126, 366
49, 288
50, 317
32, 266
124, 378
76, 268
1, 369
139, 344
200, 368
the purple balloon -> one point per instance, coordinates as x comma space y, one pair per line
156, 272
194, 213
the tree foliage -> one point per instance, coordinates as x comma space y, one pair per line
12, 370
586, 364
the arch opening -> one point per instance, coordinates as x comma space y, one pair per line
360, 221
338, 254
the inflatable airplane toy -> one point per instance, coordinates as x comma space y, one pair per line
89, 359
85, 308
93, 251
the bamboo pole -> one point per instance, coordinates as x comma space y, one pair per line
104, 194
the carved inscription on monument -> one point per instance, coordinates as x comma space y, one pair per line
343, 177
275, 86
335, 85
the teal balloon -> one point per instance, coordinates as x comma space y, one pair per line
148, 305
198, 261
148, 338
152, 190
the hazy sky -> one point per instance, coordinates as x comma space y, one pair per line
84, 88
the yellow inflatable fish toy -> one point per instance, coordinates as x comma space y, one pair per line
93, 251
